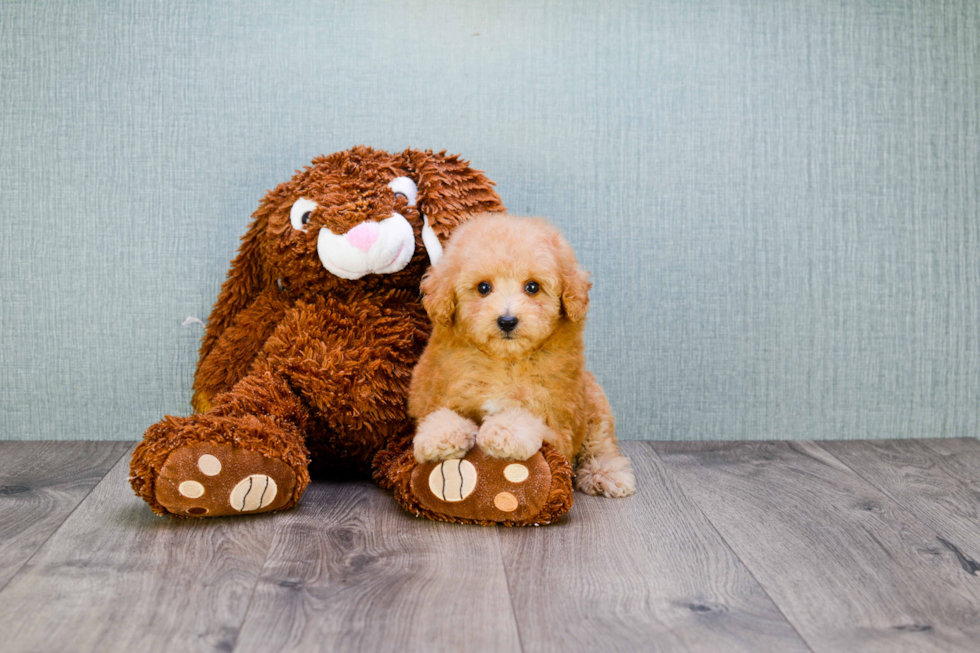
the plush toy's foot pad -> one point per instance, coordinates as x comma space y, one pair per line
479, 489
214, 480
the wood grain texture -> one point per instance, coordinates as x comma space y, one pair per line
644, 573
115, 577
941, 490
960, 458
351, 571
850, 568
41, 483
727, 546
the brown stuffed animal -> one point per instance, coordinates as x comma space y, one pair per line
309, 350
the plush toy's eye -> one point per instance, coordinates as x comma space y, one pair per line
299, 215
404, 187
484, 288
401, 196
532, 287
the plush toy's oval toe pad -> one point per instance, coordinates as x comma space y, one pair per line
213, 480
482, 489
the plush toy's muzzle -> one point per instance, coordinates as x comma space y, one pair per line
372, 247
368, 248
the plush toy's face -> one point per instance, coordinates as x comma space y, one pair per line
346, 218
372, 246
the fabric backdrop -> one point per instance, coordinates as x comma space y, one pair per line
778, 199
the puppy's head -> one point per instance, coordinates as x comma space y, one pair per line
507, 284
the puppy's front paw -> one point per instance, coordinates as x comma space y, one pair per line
608, 476
513, 434
443, 435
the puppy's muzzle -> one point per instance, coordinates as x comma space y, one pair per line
507, 323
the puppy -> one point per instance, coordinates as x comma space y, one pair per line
505, 366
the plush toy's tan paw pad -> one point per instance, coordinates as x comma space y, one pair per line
481, 488
452, 480
214, 480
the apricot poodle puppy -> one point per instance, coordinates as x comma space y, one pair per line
505, 366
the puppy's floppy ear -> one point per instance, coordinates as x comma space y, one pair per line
440, 297
575, 282
449, 190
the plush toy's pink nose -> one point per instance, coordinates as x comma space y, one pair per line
363, 235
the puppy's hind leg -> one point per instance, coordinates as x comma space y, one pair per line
602, 469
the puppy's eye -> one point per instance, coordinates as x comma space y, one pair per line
532, 287
299, 215
484, 288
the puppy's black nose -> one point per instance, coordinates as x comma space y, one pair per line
507, 323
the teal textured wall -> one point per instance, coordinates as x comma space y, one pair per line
778, 200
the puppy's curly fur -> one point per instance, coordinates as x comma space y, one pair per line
518, 384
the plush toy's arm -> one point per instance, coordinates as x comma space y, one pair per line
230, 355
350, 361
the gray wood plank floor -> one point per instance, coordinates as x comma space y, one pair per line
350, 571
932, 487
41, 483
850, 568
756, 546
645, 573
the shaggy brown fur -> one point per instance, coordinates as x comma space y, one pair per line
297, 362
507, 390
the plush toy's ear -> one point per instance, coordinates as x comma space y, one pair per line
244, 282
439, 297
449, 190
575, 282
